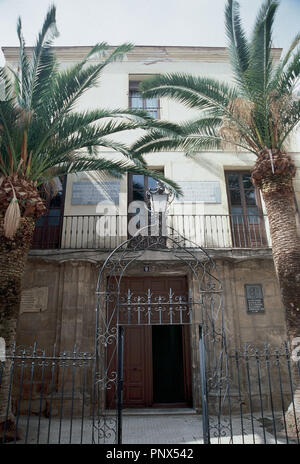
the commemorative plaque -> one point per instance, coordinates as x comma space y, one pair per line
254, 298
200, 191
92, 193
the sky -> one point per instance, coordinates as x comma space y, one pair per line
142, 22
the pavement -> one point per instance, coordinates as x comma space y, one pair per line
150, 427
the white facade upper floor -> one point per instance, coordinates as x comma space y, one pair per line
214, 183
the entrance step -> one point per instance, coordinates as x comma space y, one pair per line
154, 412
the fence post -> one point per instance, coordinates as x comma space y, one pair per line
120, 382
204, 398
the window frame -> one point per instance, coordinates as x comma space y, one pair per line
244, 205
134, 87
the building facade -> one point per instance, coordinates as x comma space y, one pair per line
220, 211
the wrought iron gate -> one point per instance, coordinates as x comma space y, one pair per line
202, 310
247, 395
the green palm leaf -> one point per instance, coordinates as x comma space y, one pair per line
238, 44
40, 131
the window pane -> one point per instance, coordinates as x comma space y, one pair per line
253, 215
152, 183
40, 221
233, 181
250, 197
237, 215
247, 181
136, 100
235, 197
56, 201
138, 187
148, 104
54, 217
153, 113
151, 105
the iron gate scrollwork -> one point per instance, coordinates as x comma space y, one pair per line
202, 310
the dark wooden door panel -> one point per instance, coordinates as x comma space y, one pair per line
137, 355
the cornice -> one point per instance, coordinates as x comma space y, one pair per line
144, 53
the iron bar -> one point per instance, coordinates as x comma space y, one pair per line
30, 393
260, 393
267, 357
120, 382
41, 397
203, 383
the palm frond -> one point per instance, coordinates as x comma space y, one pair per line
156, 141
260, 63
9, 135
81, 163
42, 61
205, 125
238, 44
22, 81
289, 78
6, 86
194, 92
75, 81
68, 86
47, 69
290, 121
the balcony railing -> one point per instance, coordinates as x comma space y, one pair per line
107, 232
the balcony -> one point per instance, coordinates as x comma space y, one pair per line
84, 232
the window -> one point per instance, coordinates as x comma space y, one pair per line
243, 196
245, 210
138, 185
48, 227
151, 105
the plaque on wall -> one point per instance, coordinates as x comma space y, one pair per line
254, 298
92, 193
200, 191
34, 300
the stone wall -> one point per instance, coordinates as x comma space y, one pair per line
68, 318
63, 311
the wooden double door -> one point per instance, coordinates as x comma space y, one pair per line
157, 370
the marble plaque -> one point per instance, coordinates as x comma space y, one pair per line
200, 191
92, 193
34, 300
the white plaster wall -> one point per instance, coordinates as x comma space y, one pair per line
112, 92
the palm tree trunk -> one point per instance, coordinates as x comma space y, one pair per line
286, 254
13, 254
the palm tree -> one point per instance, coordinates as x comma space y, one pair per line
42, 136
258, 112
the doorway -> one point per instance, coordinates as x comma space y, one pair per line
167, 361
157, 370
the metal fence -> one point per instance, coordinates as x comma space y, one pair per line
53, 400
260, 402
51, 395
109, 231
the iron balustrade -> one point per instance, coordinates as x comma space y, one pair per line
106, 232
